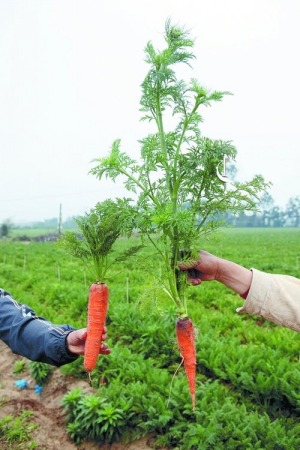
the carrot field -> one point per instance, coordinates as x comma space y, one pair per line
248, 369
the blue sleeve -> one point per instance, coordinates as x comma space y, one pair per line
31, 336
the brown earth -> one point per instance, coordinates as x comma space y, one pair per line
50, 433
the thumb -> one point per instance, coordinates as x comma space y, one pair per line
82, 334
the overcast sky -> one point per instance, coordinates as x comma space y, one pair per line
70, 84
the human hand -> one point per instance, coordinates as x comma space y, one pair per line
76, 342
210, 267
205, 268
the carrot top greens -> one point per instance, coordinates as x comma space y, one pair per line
179, 196
99, 230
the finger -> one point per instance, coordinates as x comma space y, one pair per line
104, 350
194, 280
79, 350
84, 335
104, 336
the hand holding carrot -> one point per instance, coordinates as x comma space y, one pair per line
76, 342
205, 268
210, 267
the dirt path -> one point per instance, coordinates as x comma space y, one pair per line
50, 433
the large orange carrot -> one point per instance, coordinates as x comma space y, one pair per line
186, 341
97, 310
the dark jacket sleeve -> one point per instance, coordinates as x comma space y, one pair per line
31, 336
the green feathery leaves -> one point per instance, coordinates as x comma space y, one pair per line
99, 230
179, 195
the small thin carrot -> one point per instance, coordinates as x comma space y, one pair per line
185, 334
97, 310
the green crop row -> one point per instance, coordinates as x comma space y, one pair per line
247, 373
135, 398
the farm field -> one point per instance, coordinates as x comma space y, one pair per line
248, 371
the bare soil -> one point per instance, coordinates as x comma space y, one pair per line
50, 433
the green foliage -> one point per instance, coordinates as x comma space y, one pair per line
15, 432
157, 338
70, 402
40, 371
100, 229
19, 367
247, 372
179, 195
93, 417
218, 422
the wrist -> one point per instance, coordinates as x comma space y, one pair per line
234, 276
67, 344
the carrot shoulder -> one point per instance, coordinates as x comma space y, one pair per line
186, 341
97, 310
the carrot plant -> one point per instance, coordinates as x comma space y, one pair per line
100, 229
178, 195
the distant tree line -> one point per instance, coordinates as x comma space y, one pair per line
52, 224
268, 214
